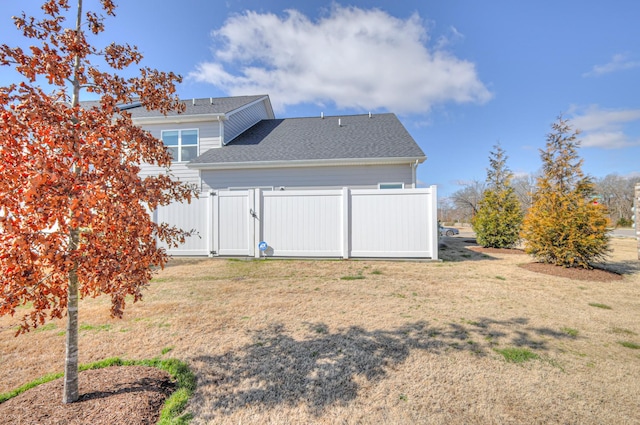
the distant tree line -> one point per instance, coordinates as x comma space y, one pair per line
617, 196
615, 192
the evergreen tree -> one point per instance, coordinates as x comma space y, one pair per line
499, 218
564, 225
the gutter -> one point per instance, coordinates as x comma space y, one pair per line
176, 119
305, 163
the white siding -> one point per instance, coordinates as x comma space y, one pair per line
179, 171
240, 121
354, 176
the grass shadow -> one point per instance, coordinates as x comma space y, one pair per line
328, 367
620, 267
142, 385
185, 261
455, 249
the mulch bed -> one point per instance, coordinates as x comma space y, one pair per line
594, 275
132, 395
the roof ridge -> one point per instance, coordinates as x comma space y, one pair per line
184, 99
368, 115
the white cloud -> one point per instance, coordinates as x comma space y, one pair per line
353, 58
453, 37
605, 128
619, 62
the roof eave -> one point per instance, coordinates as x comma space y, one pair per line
306, 163
174, 119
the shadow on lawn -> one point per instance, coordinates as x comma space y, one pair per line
620, 267
455, 249
325, 368
185, 261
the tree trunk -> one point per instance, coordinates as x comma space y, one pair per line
70, 392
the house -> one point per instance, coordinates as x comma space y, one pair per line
293, 187
237, 143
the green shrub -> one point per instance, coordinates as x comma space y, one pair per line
499, 218
497, 223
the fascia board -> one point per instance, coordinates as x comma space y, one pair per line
305, 163
177, 119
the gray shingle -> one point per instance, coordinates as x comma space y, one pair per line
358, 137
207, 105
216, 105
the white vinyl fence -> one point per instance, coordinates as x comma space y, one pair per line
344, 223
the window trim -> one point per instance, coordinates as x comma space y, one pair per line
180, 145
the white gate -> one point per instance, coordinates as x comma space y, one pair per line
233, 223
395, 223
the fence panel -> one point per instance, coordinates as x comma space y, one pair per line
392, 223
302, 223
397, 223
193, 216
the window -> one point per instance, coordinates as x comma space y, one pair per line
390, 185
183, 144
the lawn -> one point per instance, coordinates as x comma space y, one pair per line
473, 339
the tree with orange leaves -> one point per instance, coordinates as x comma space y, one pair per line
74, 212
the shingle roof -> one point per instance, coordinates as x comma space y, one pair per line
358, 137
207, 105
214, 105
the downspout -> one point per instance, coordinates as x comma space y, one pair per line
414, 176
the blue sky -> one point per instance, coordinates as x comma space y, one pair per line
462, 75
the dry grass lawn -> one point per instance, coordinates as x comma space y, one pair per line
346, 342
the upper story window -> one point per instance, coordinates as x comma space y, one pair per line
183, 144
